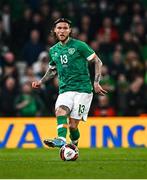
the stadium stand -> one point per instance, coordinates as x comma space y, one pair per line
116, 30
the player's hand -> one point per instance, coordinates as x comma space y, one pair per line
36, 84
98, 89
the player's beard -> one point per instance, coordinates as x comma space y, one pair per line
64, 40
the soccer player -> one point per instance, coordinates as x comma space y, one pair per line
69, 58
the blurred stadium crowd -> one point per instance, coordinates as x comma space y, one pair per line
115, 29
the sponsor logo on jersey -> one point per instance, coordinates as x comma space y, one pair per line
71, 50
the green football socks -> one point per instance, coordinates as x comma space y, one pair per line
62, 127
74, 135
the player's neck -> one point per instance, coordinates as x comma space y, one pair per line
64, 42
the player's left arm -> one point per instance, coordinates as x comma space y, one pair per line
90, 55
98, 66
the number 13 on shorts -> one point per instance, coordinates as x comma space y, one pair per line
81, 106
78, 103
81, 109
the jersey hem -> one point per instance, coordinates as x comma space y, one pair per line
89, 92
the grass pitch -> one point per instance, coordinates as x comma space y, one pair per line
92, 163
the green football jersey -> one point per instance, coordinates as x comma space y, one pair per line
71, 62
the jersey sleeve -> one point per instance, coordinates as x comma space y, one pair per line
52, 64
86, 51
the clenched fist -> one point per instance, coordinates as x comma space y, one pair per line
36, 84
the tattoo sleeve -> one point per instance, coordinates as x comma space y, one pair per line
50, 73
98, 65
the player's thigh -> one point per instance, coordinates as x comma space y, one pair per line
65, 99
82, 102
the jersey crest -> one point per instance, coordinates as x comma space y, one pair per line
56, 54
71, 50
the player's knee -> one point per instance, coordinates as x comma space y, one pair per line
60, 112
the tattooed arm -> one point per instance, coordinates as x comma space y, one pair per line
97, 86
50, 73
98, 65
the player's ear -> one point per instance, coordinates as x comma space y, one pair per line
70, 30
52, 33
54, 30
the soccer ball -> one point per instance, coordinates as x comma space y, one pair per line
69, 152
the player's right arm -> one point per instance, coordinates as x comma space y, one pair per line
50, 73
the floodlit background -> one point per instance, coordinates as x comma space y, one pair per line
116, 30
110, 147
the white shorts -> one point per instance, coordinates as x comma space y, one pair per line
78, 103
